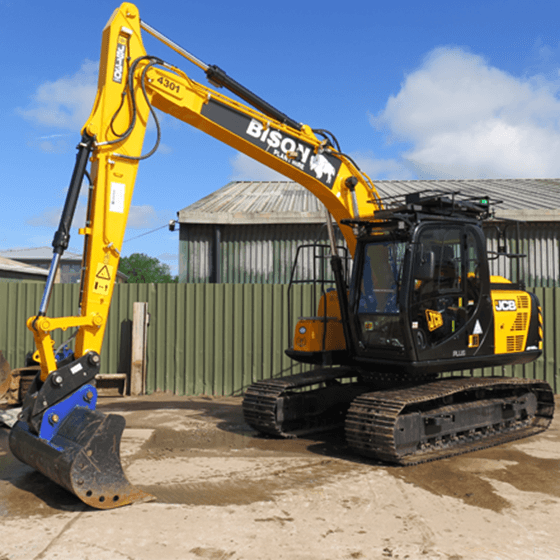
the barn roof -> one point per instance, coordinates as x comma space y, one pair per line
15, 267
255, 202
261, 202
38, 254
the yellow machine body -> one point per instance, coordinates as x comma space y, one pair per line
512, 315
324, 332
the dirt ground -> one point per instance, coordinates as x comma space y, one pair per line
221, 492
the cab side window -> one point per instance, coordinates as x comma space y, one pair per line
437, 301
378, 293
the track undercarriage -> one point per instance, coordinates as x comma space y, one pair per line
411, 424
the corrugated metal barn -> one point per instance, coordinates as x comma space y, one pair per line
14, 271
40, 257
248, 232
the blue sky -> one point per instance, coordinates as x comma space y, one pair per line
412, 90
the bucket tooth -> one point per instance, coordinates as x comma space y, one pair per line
83, 457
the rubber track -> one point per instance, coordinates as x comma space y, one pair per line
370, 422
260, 399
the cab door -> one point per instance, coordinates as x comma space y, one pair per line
375, 298
449, 304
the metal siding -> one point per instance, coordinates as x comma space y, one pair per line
188, 367
251, 254
195, 253
183, 253
246, 254
218, 339
548, 366
540, 243
18, 302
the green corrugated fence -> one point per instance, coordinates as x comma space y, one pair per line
213, 339
202, 338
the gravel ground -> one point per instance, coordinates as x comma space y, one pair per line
222, 492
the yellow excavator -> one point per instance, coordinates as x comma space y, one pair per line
420, 300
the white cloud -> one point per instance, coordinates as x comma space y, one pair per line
465, 118
171, 257
142, 217
248, 169
65, 103
139, 217
544, 59
387, 169
164, 149
50, 217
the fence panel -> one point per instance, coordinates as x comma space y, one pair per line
214, 339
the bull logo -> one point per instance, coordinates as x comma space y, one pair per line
320, 165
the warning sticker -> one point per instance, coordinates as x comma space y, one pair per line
477, 328
102, 281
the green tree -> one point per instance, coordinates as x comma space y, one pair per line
140, 268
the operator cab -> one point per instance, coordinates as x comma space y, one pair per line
419, 296
421, 299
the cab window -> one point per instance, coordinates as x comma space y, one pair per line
438, 303
378, 298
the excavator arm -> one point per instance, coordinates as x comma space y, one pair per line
60, 433
131, 85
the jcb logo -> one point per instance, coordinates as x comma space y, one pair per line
506, 305
434, 319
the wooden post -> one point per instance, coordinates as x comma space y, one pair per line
139, 346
